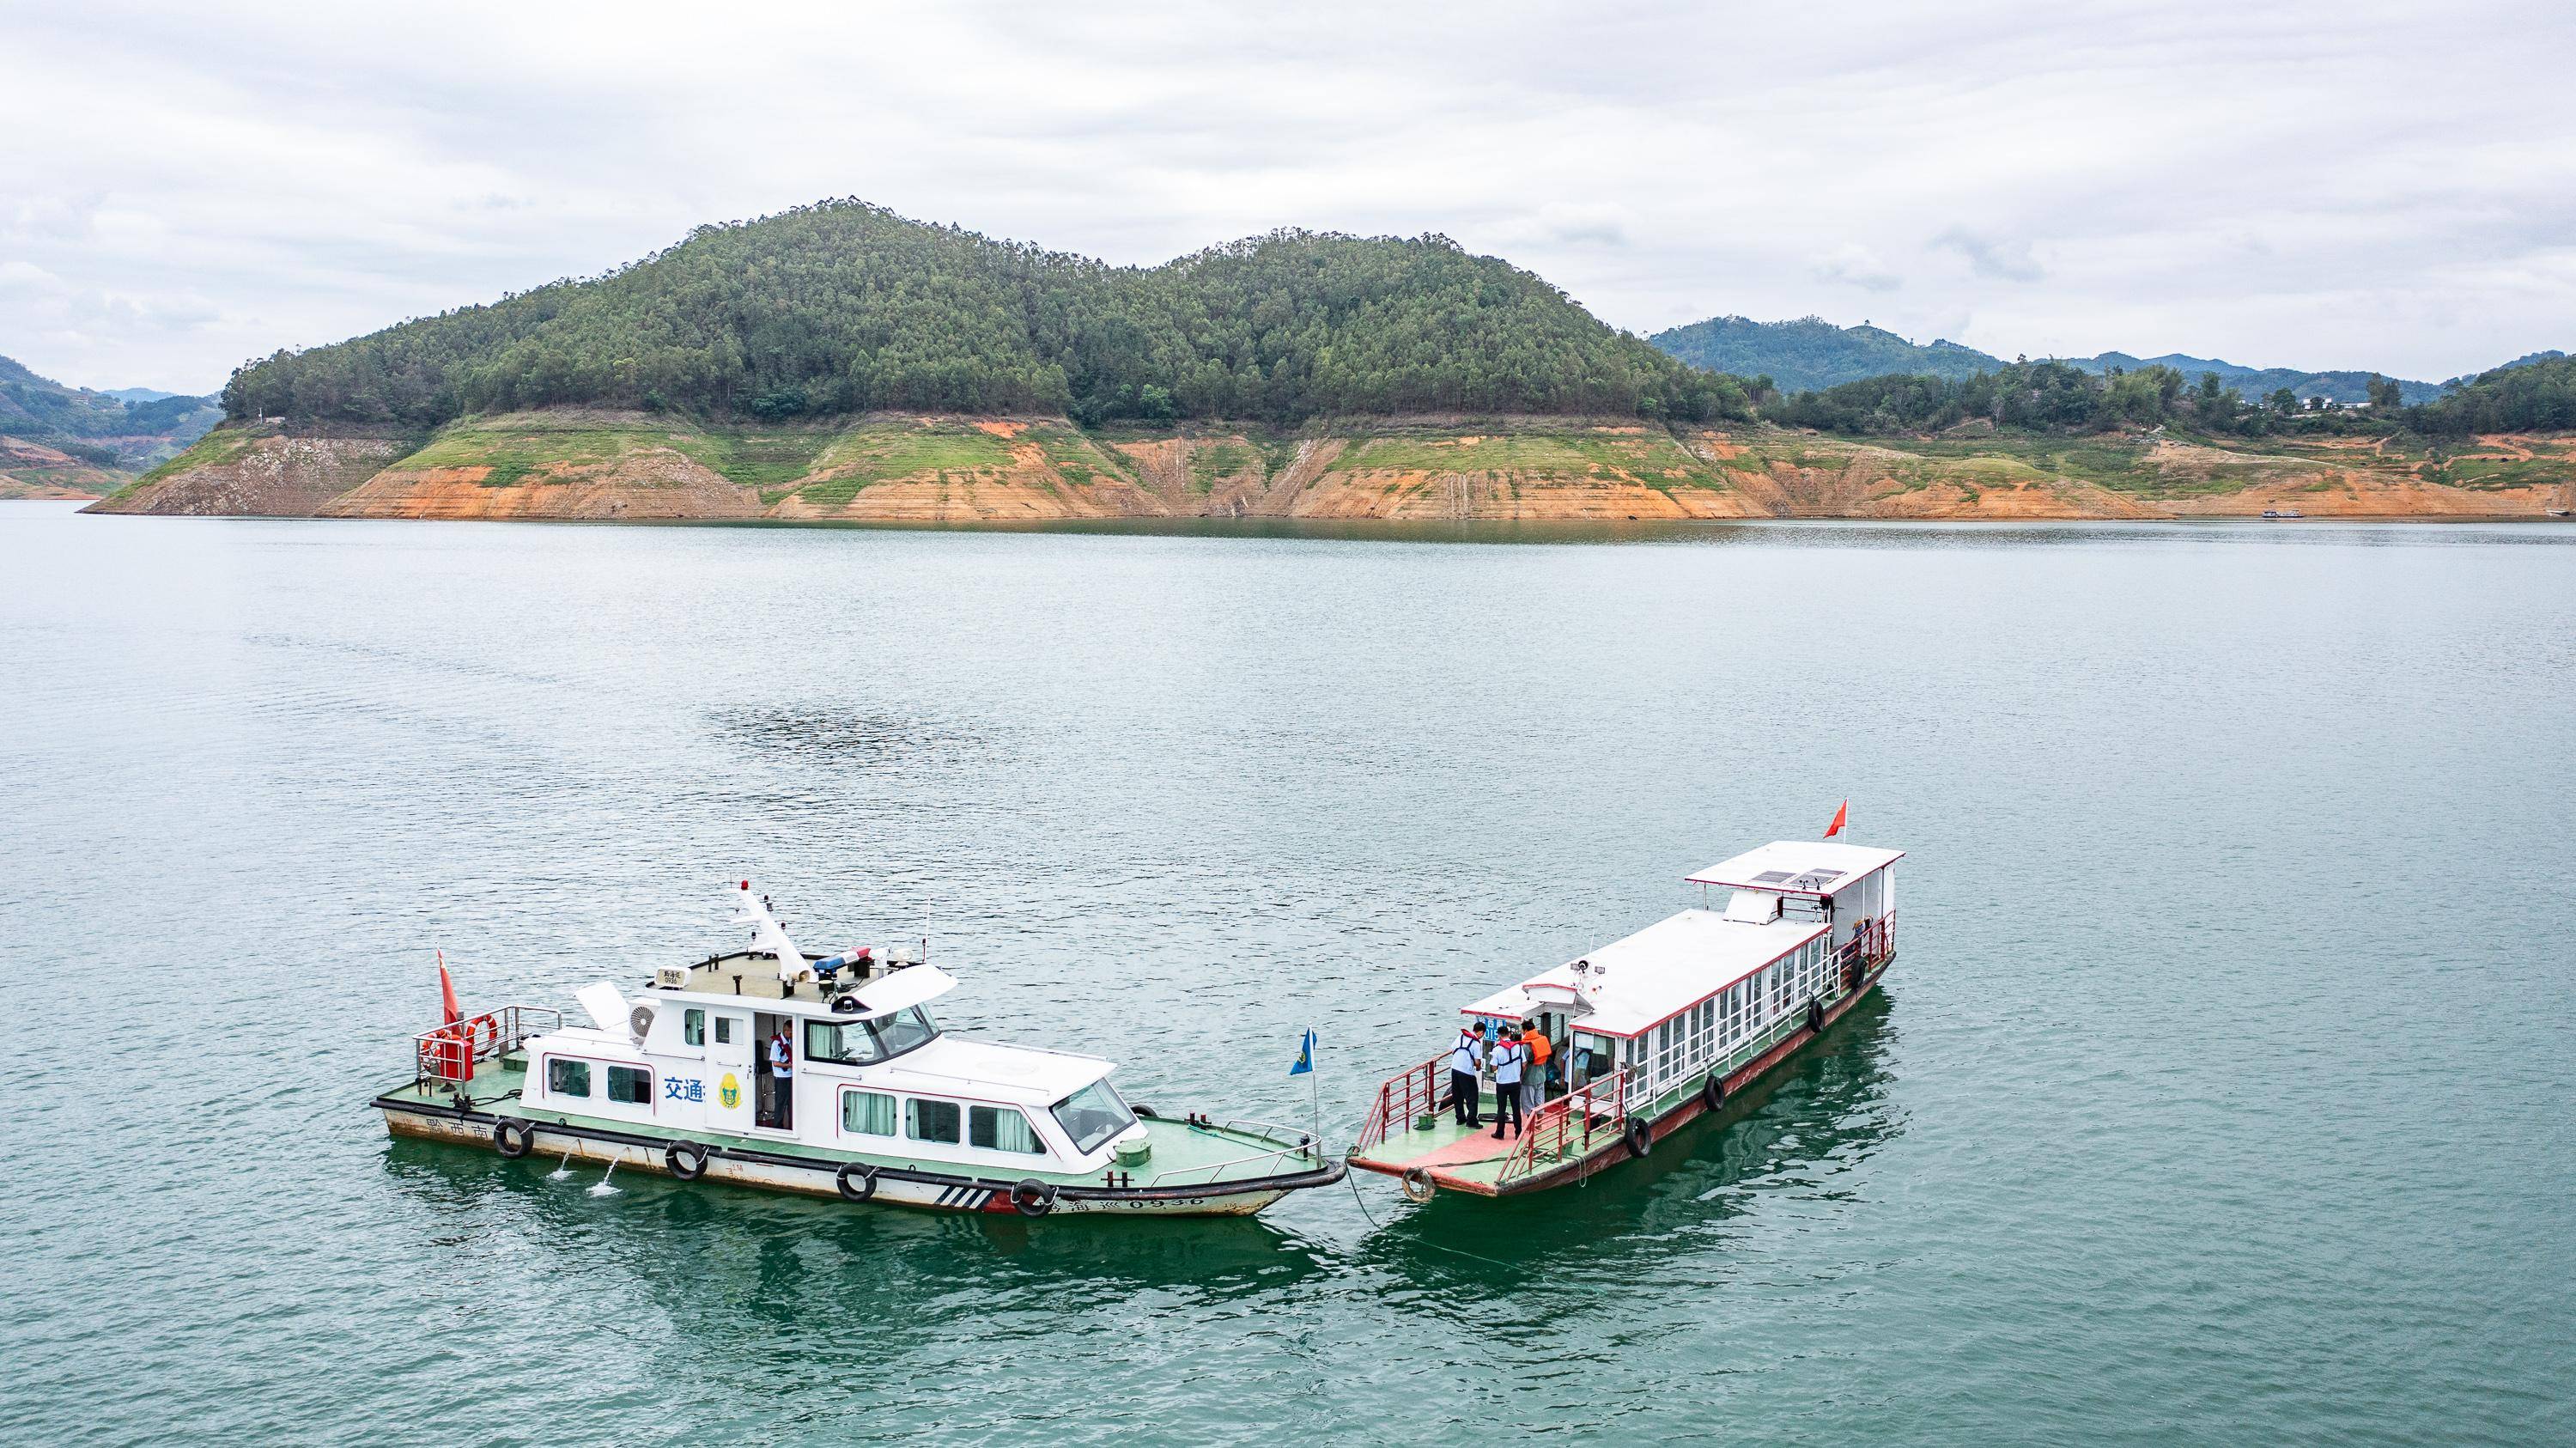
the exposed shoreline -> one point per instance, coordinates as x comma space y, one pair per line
587, 465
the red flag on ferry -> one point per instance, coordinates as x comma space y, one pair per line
1842, 817
447, 993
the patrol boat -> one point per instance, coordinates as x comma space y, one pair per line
879, 1104
1656, 1029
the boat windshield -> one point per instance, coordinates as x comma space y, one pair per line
1092, 1115
860, 1043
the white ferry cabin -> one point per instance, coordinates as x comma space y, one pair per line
1651, 1030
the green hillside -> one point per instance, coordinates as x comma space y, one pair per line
100, 429
2518, 397
843, 308
1811, 353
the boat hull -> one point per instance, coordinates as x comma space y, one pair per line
1614, 1150
776, 1171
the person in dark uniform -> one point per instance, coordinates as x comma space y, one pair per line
782, 1095
1464, 1059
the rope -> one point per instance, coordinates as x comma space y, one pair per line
1425, 1241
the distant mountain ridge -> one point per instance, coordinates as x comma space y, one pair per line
1810, 354
101, 429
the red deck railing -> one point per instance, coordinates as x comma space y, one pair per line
1399, 1100
1566, 1126
449, 1053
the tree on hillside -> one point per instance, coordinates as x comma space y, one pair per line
845, 307
2384, 394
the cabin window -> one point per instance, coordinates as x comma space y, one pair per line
1092, 1115
868, 1113
999, 1128
567, 1078
630, 1086
858, 1043
693, 1027
927, 1120
846, 1043
724, 1030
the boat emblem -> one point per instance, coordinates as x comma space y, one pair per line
729, 1091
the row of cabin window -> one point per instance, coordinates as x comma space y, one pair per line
994, 1128
627, 1085
693, 1028
1693, 1040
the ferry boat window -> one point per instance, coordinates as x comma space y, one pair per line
630, 1086
567, 1078
1092, 1115
724, 1030
904, 1030
927, 1120
693, 1027
999, 1128
868, 1113
858, 1043
845, 1043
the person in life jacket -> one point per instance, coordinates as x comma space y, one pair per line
782, 1095
1510, 1059
1465, 1059
1534, 1083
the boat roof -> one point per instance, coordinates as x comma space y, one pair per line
1636, 983
1798, 867
1029, 1075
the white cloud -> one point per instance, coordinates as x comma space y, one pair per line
1857, 266
2314, 185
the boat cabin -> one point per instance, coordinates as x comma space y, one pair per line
868, 1068
1661, 1006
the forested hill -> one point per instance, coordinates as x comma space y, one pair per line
101, 428
1812, 354
843, 308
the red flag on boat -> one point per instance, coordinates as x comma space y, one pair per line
447, 993
1842, 817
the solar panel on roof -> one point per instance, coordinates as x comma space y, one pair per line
1770, 877
1815, 879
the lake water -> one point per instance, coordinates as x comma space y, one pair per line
2221, 1093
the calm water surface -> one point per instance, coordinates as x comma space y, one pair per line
2222, 1094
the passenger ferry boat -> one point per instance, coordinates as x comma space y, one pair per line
1653, 1030
880, 1104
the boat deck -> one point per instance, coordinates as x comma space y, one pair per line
1185, 1153
1461, 1158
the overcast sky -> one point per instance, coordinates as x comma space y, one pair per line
2346, 185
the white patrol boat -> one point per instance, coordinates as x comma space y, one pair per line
876, 1102
1648, 1032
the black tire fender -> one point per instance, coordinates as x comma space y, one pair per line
1712, 1092
1640, 1139
1815, 1018
857, 1181
1417, 1184
689, 1152
1032, 1198
513, 1137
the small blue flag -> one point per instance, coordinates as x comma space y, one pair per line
1305, 1055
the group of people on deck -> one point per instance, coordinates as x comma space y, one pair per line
1523, 1067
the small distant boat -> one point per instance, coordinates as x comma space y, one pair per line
2280, 513
2559, 512
879, 1103
1656, 1029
